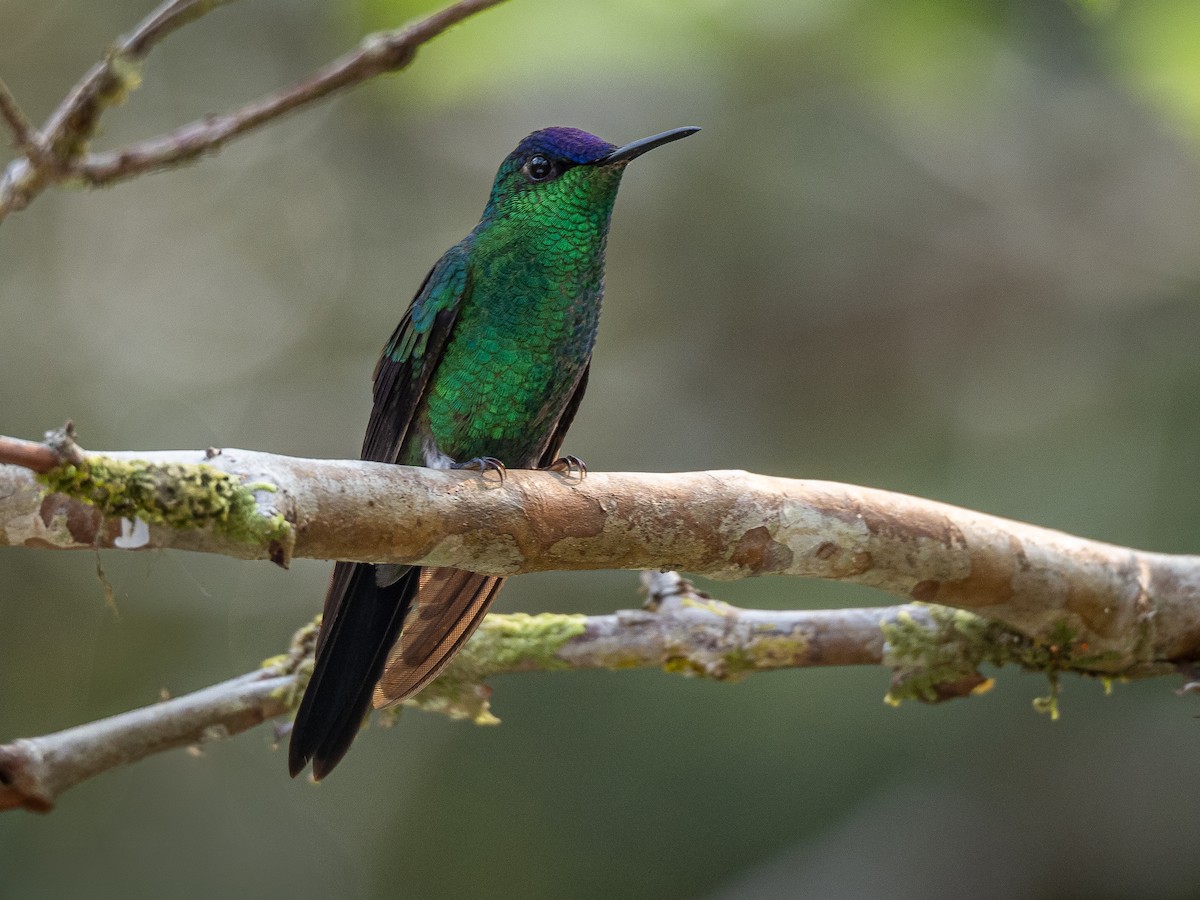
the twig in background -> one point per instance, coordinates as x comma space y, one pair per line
61, 153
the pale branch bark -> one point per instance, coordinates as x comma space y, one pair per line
34, 772
60, 152
1121, 611
680, 630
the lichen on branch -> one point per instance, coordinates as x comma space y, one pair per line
938, 657
503, 643
182, 496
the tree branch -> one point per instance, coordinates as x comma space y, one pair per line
376, 54
107, 83
39, 458
1052, 602
1118, 610
935, 653
52, 155
61, 152
34, 772
25, 137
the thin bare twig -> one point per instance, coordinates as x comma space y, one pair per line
75, 120
26, 138
377, 54
52, 155
34, 772
61, 153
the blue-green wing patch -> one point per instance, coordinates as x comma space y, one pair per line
412, 354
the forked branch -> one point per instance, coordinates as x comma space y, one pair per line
60, 152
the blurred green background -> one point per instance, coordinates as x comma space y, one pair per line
946, 248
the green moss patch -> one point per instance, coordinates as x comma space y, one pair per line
178, 495
939, 660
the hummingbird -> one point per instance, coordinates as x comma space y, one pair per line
485, 372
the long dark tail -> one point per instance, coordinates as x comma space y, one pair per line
359, 630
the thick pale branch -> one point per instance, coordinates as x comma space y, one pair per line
1120, 608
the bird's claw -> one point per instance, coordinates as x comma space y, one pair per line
568, 465
483, 465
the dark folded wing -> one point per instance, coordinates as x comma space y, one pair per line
401, 376
554, 445
412, 354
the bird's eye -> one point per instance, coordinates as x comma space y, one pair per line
538, 168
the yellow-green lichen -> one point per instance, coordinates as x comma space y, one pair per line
452, 696
939, 658
621, 659
734, 663
926, 657
515, 641
707, 604
297, 661
1048, 705
122, 75
777, 650
504, 642
178, 495
126, 77
683, 665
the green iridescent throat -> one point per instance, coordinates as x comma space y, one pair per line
527, 324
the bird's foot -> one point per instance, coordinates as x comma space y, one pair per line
483, 465
568, 466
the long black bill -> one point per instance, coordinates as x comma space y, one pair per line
637, 148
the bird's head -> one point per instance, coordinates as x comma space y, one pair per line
564, 172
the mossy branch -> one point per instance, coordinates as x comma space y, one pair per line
1053, 603
1128, 611
176, 495
935, 653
